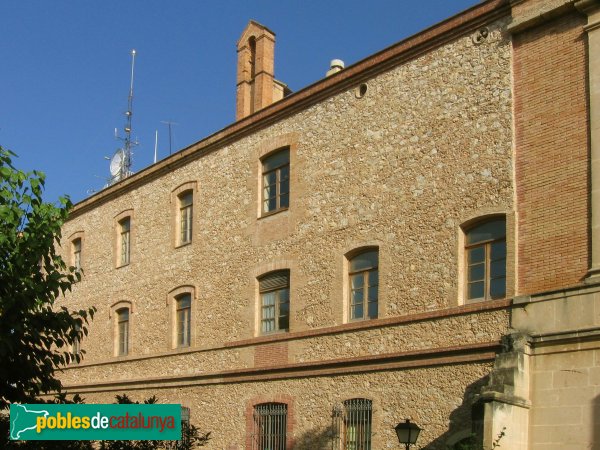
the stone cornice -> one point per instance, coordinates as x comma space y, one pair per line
464, 354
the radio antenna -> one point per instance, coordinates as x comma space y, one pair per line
121, 162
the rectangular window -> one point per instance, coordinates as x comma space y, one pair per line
125, 238
276, 181
184, 320
275, 301
185, 217
123, 331
485, 252
270, 426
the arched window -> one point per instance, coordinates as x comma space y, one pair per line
274, 289
124, 240
186, 200
363, 277
269, 426
485, 254
122, 331
252, 46
183, 309
276, 181
352, 424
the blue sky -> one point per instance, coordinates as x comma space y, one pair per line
65, 70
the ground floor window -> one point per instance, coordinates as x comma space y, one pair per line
352, 424
269, 426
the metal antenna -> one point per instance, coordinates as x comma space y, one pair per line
169, 123
127, 160
121, 162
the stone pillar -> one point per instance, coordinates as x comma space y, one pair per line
592, 9
506, 400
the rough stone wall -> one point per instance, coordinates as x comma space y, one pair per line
438, 399
428, 145
552, 154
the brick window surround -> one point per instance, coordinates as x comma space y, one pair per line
288, 400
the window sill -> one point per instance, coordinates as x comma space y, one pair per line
183, 244
272, 333
122, 265
272, 213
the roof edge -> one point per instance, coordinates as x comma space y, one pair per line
404, 50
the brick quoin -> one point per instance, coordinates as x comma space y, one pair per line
551, 155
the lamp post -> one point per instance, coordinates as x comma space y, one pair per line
407, 433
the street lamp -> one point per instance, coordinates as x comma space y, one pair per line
407, 433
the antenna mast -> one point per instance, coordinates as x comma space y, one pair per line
121, 162
127, 160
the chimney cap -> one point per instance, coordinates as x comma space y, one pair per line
335, 66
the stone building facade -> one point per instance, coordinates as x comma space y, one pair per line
415, 234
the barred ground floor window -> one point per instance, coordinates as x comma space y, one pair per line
352, 424
269, 426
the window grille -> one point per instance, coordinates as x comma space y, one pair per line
184, 443
269, 426
351, 424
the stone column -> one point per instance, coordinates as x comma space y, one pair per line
592, 9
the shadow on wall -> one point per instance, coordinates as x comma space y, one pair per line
318, 439
465, 422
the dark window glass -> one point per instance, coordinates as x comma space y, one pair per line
486, 260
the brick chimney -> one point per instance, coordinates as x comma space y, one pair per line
256, 85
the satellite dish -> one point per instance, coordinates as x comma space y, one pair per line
116, 162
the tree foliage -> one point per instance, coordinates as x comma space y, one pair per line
35, 336
191, 437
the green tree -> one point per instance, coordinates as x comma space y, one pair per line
35, 336
191, 437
